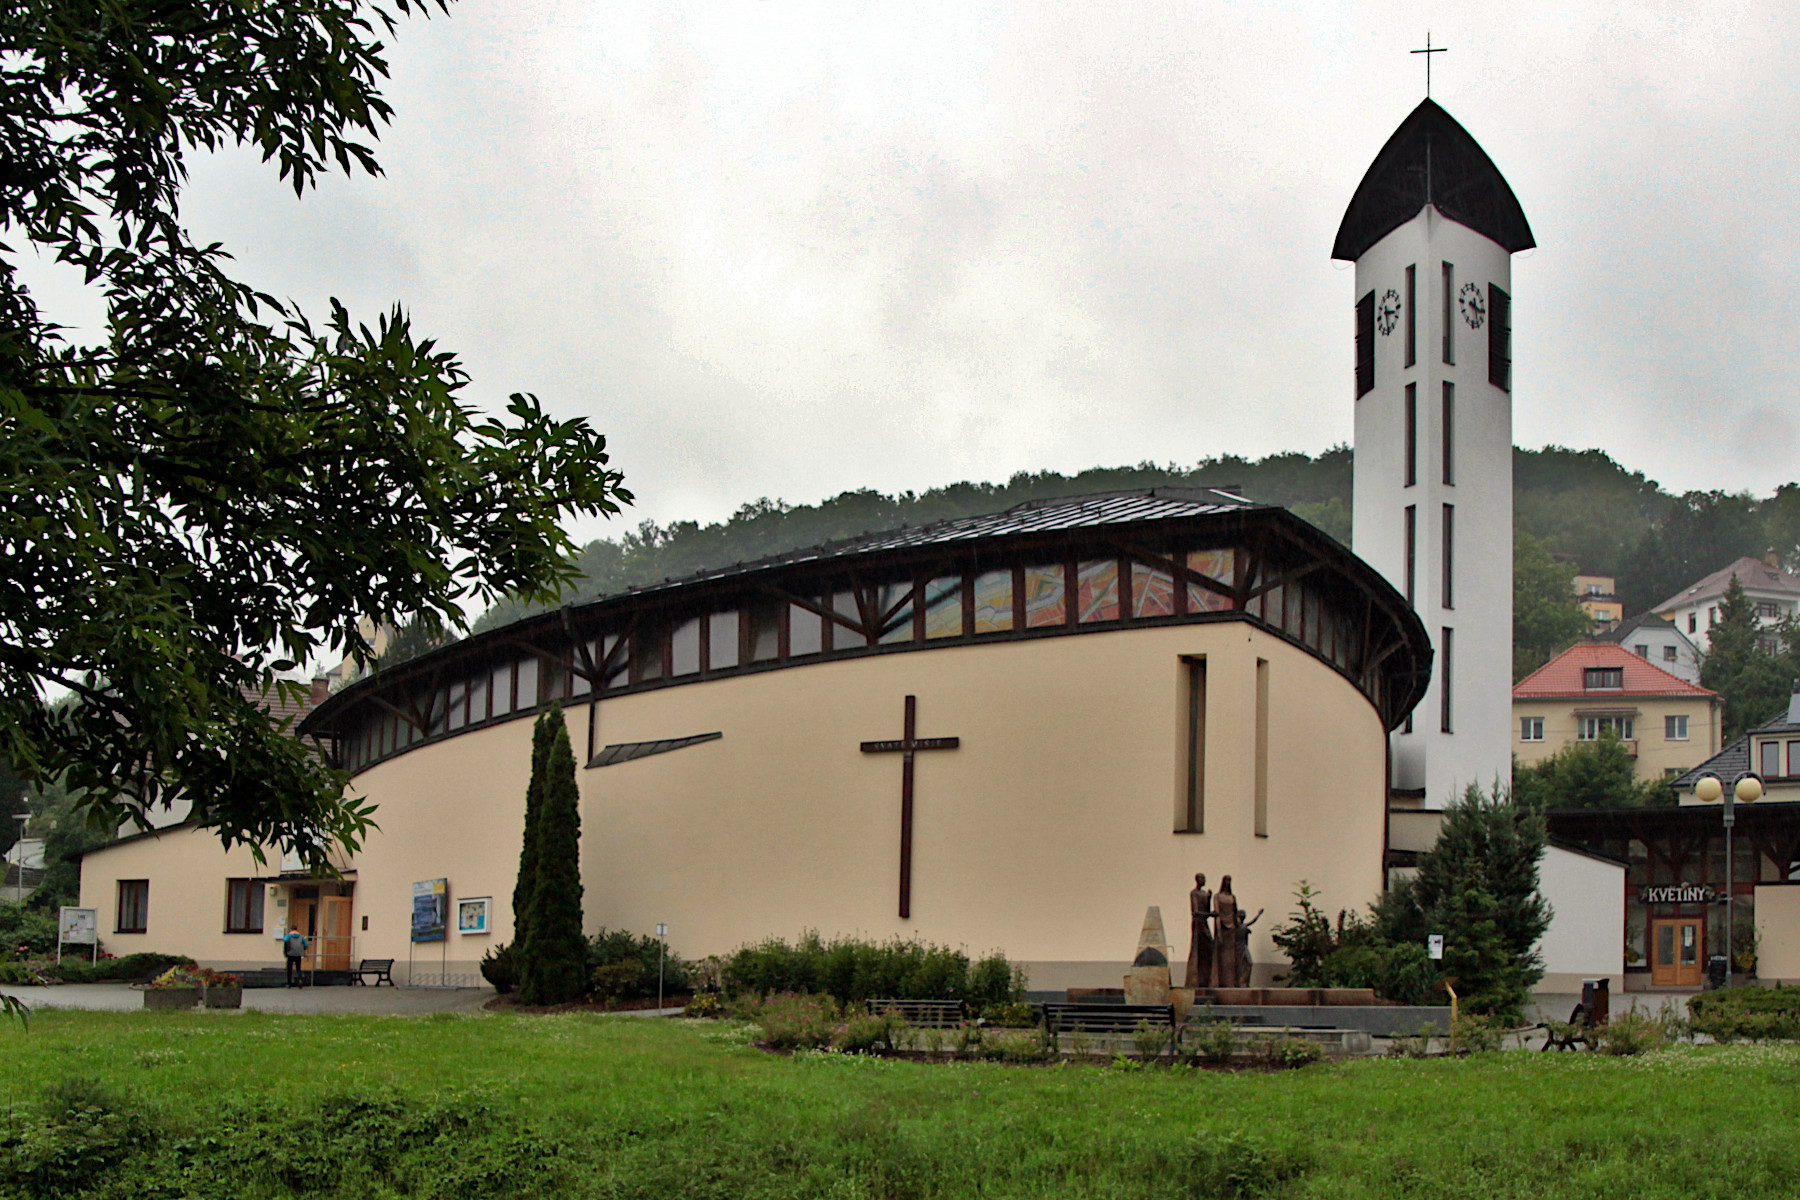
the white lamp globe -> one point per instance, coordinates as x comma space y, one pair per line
1749, 789
1708, 788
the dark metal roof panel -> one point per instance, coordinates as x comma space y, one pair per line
1431, 159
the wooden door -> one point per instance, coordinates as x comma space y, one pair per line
334, 934
304, 916
1676, 958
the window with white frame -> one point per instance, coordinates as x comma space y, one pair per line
1603, 679
1675, 728
1592, 729
1668, 654
1770, 756
1531, 729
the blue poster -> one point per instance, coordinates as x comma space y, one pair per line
431, 910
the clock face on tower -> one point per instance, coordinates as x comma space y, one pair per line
1474, 306
1387, 316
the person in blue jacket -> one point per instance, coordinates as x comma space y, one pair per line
293, 947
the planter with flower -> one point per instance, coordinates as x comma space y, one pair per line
222, 989
177, 987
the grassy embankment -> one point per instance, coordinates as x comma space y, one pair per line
252, 1105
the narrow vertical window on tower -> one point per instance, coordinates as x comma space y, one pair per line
1445, 677
1193, 812
1499, 339
1412, 543
1365, 345
1412, 434
1449, 430
1449, 554
1449, 314
1412, 314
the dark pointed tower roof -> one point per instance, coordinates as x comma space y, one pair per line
1431, 160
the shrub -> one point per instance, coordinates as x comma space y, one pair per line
610, 948
854, 971
797, 1022
1150, 1040
27, 929
1476, 1033
1288, 1051
1012, 1015
617, 981
1751, 1013
500, 967
707, 1005
1237, 1164
1214, 1041
1417, 1045
865, 1034
1630, 1032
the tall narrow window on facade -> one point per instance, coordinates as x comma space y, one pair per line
1449, 563
1449, 314
1365, 345
1412, 315
1412, 434
1499, 339
1193, 814
1449, 429
1412, 546
1262, 748
1445, 677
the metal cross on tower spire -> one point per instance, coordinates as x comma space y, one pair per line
1428, 51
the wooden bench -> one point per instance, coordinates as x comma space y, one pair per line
925, 1014
1106, 1018
381, 968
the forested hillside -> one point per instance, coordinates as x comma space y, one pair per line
1582, 507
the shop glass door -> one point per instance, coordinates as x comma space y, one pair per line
1675, 952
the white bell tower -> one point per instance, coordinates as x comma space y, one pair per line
1432, 230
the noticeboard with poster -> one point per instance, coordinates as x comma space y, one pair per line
472, 914
431, 910
78, 926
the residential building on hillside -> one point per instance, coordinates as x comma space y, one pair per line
1600, 601
1583, 693
1695, 609
1656, 639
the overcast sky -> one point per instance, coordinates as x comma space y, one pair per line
784, 249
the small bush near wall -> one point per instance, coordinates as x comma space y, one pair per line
624, 965
26, 929
1747, 1013
853, 971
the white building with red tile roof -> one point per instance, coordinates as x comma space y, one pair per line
1668, 724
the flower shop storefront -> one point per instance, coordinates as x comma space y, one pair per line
1676, 884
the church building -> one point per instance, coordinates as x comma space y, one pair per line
1010, 732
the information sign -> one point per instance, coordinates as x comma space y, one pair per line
431, 910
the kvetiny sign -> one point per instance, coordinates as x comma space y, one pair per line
1677, 893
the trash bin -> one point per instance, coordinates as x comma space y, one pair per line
1596, 1000
1715, 971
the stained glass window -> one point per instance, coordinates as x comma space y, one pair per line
943, 608
897, 605
1099, 591
478, 699
1218, 565
994, 602
528, 683
458, 704
1152, 592
765, 639
1044, 589
503, 690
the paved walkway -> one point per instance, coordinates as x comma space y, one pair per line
121, 997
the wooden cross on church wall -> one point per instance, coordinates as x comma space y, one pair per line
909, 743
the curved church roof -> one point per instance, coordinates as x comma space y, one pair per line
1431, 160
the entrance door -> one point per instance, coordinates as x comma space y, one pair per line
1675, 952
304, 916
334, 934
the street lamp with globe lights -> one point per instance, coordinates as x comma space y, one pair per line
1747, 790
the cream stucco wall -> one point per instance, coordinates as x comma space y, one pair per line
1045, 835
1656, 755
187, 869
1778, 932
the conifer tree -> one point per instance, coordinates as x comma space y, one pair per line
554, 968
1478, 887
542, 735
1743, 664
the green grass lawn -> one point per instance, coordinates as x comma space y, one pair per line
254, 1105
